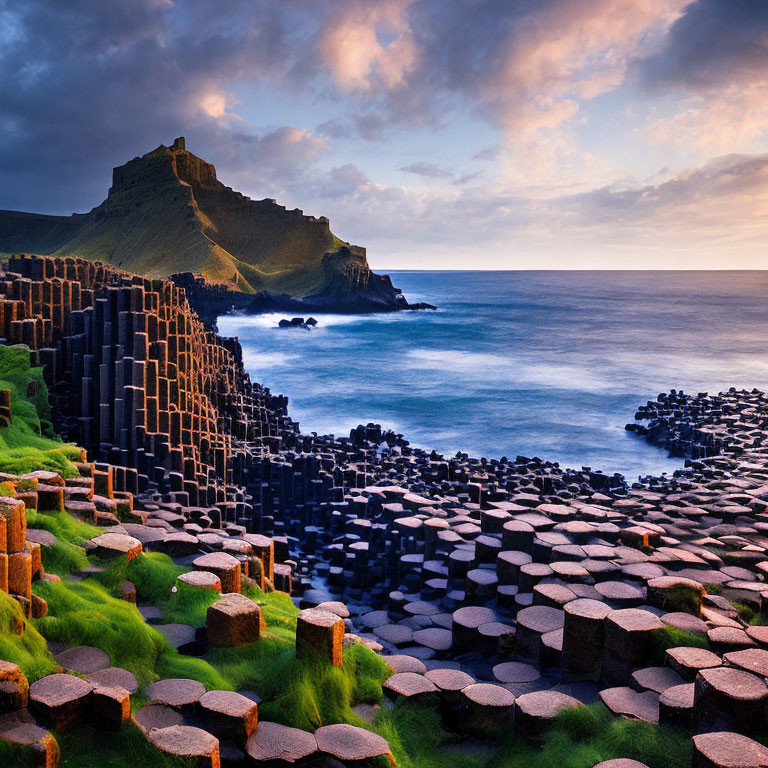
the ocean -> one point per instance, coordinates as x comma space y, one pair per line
548, 364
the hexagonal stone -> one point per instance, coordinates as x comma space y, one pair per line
754, 660
515, 672
583, 634
14, 687
532, 623
731, 695
109, 545
436, 638
177, 692
228, 715
59, 700
420, 608
727, 750
620, 593
535, 712
83, 659
201, 579
409, 685
110, 707
508, 565
686, 622
656, 679
352, 744
630, 703
43, 745
465, 624
272, 741
727, 639
487, 707
233, 620
157, 716
403, 663
334, 606
320, 634
177, 634
184, 741
396, 634
688, 661
759, 634
676, 706
225, 566
673, 593
628, 642
449, 680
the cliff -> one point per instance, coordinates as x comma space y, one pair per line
167, 213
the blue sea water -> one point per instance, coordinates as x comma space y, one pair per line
549, 364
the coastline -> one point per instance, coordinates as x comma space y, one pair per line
498, 569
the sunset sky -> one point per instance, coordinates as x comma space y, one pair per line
474, 134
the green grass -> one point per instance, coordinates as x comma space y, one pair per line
86, 748
67, 555
585, 736
26, 648
673, 637
418, 739
188, 605
153, 573
29, 443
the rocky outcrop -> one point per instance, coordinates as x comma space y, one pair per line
166, 213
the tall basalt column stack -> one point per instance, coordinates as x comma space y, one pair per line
158, 392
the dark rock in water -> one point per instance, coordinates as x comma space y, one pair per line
297, 322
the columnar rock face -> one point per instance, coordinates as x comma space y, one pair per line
156, 392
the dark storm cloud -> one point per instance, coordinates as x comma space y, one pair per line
713, 43
88, 85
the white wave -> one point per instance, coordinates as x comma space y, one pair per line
233, 325
257, 361
514, 373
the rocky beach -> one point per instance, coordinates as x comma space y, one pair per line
190, 577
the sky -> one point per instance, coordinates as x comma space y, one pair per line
440, 134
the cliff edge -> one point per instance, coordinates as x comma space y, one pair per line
167, 214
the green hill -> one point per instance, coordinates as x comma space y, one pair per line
167, 213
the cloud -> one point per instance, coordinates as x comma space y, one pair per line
715, 61
429, 170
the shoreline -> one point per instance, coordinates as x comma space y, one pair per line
559, 587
